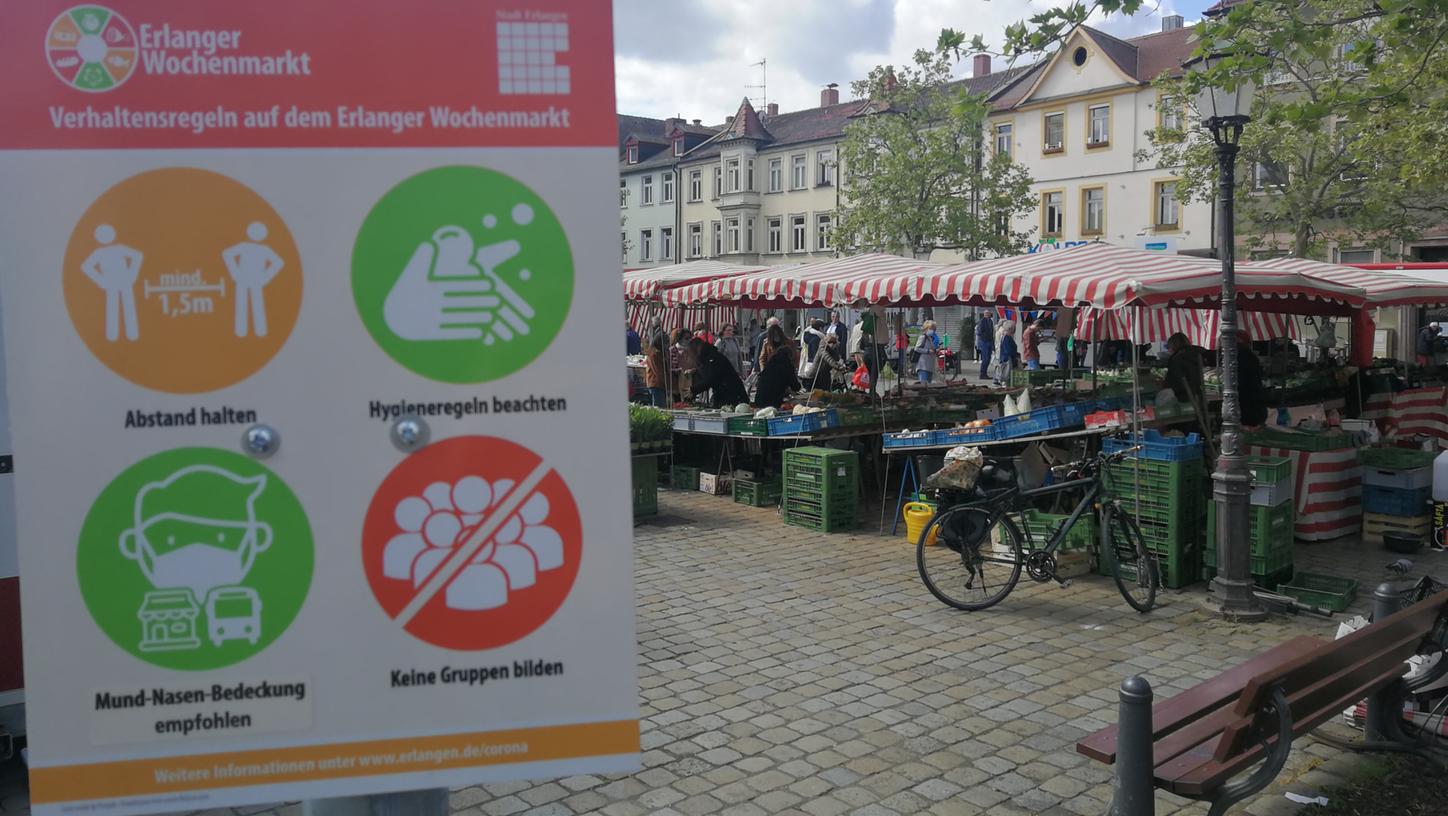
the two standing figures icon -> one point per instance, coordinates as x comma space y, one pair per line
115, 268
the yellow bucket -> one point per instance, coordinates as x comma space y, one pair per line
917, 517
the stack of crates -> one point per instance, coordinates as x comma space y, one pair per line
645, 486
1397, 497
1167, 498
820, 487
1273, 517
1076, 555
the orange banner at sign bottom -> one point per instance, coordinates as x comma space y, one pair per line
278, 766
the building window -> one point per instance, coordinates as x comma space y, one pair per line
633, 154
1357, 256
1100, 118
648, 191
797, 237
1268, 174
731, 176
679, 146
749, 234
1167, 214
1093, 211
1002, 224
623, 247
823, 223
718, 180
776, 175
799, 172
825, 168
1169, 113
668, 185
1054, 126
666, 243
749, 175
1004, 136
646, 245
623, 192
696, 240
718, 238
696, 185
776, 234
731, 233
1053, 212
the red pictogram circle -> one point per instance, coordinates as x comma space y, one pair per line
432, 571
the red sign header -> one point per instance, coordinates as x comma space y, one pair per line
323, 73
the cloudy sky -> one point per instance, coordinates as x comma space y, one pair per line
693, 57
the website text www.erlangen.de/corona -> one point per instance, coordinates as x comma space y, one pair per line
276, 770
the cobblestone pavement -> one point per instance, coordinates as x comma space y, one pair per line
785, 671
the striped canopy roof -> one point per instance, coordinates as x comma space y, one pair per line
1110, 277
646, 284
1383, 287
873, 277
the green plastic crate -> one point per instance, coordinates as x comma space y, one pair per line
1038, 528
1299, 440
858, 417
683, 477
1174, 570
838, 506
757, 494
747, 426
823, 523
1025, 377
1327, 591
817, 455
1269, 470
1271, 582
1271, 527
645, 486
1394, 458
1270, 562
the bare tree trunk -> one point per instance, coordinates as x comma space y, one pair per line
1301, 237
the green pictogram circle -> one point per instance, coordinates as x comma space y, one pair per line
195, 558
462, 274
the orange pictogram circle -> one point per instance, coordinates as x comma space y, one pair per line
182, 280
91, 48
472, 543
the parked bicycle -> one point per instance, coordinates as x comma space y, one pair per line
971, 555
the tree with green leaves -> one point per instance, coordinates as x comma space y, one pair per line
920, 177
1349, 131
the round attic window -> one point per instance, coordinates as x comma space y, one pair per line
1079, 56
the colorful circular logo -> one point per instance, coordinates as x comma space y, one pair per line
195, 558
91, 48
462, 274
472, 543
182, 280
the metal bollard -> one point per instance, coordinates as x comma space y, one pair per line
1133, 793
1387, 600
432, 802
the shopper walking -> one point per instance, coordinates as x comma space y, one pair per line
1031, 344
985, 341
732, 348
926, 352
656, 373
1005, 352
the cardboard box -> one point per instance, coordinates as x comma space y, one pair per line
714, 485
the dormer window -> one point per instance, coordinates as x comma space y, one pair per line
633, 154
679, 146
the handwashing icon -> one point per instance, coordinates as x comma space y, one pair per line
195, 537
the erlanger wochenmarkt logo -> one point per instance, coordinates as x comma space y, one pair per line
91, 48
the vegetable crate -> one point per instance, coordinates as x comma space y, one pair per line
1398, 479
1176, 568
1392, 501
1271, 528
746, 425
756, 493
1274, 565
1394, 458
1028, 378
1326, 591
1375, 524
834, 521
645, 486
1038, 528
1032, 423
796, 424
682, 477
966, 436
1271, 581
1155, 446
1299, 440
820, 473
910, 439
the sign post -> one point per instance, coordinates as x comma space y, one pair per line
319, 498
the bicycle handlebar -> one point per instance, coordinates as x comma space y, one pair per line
1089, 465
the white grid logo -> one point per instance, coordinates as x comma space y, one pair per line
526, 56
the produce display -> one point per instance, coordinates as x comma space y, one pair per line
649, 427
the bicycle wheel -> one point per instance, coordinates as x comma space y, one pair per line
1133, 566
967, 560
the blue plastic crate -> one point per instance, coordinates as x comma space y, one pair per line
796, 424
1155, 446
966, 436
832, 418
1073, 414
1033, 423
907, 439
1396, 501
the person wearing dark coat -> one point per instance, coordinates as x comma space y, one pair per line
1251, 388
713, 372
1184, 370
776, 381
830, 368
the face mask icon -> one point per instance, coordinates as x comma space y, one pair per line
195, 537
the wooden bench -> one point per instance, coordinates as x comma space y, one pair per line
1197, 741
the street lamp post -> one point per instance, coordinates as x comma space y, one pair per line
1224, 111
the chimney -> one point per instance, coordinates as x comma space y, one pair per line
982, 65
671, 123
698, 122
830, 95
1172, 22
772, 109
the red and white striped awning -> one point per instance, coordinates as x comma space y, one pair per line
1201, 326
1383, 287
647, 284
1110, 277
873, 278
